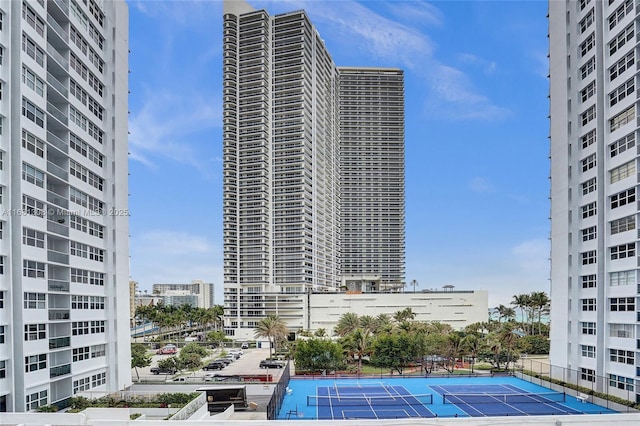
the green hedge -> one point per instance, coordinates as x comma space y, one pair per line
158, 401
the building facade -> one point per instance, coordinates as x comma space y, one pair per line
198, 293
595, 313
64, 266
283, 165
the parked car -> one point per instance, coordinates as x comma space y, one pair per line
158, 370
231, 357
213, 377
214, 365
245, 346
167, 350
267, 363
237, 352
177, 379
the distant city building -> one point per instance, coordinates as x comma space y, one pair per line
198, 294
64, 240
313, 166
595, 319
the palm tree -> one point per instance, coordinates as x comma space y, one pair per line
368, 323
472, 344
272, 328
540, 302
357, 344
383, 323
522, 302
347, 323
404, 315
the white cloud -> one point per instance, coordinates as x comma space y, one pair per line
480, 185
417, 12
532, 256
488, 67
164, 125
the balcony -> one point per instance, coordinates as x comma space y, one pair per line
57, 56
59, 370
57, 142
58, 171
57, 113
53, 25
57, 199
59, 342
57, 228
57, 285
58, 314
57, 84
58, 257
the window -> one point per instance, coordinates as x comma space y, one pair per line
588, 115
35, 332
588, 91
588, 257
98, 379
3, 364
80, 354
32, 112
623, 171
97, 327
621, 39
586, 21
79, 302
588, 210
82, 384
622, 278
588, 305
588, 233
587, 374
33, 269
36, 400
85, 150
620, 382
32, 50
623, 118
622, 225
32, 175
622, 65
32, 143
584, 3
35, 362
625, 89
79, 328
623, 331
588, 328
31, 80
2, 336
34, 301
621, 356
620, 13
622, 304
1, 299
96, 254
588, 351
1, 228
623, 198
588, 67
32, 19
31, 237
78, 118
32, 206
78, 249
98, 351
623, 251
588, 163
588, 281
623, 144
1, 271
587, 45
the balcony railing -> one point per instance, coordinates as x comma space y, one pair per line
57, 84
57, 28
57, 56
63, 5
57, 113
58, 228
58, 314
59, 342
58, 171
59, 370
57, 199
57, 285
58, 257
57, 142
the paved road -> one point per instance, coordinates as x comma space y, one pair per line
247, 364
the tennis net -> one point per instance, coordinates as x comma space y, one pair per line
364, 400
505, 398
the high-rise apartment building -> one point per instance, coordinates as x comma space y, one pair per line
595, 314
303, 201
203, 293
64, 266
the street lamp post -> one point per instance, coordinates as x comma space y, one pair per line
414, 283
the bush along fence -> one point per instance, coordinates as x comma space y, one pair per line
275, 403
613, 392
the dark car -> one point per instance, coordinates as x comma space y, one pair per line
214, 365
158, 370
266, 363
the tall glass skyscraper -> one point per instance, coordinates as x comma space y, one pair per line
313, 168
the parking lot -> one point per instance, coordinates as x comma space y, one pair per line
247, 364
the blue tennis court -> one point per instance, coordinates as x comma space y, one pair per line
336, 399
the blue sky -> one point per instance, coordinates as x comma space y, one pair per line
476, 135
